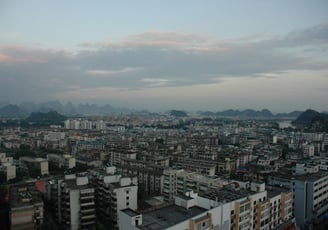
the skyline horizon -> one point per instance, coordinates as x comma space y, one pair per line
163, 110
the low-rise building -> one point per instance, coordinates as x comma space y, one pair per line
62, 161
38, 163
180, 181
7, 167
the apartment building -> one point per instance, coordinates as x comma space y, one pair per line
150, 178
7, 167
114, 192
85, 124
36, 163
204, 167
224, 209
73, 201
26, 207
179, 181
62, 161
310, 194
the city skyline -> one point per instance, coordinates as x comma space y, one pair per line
158, 56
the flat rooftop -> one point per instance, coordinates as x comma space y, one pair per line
71, 183
304, 177
168, 216
226, 195
273, 191
24, 195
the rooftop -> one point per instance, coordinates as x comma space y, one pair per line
130, 212
72, 184
24, 195
304, 177
273, 191
226, 195
168, 216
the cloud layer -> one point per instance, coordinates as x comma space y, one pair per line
155, 59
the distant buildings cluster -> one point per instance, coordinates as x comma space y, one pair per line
158, 172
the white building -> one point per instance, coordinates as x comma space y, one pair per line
6, 166
308, 150
115, 193
310, 191
217, 209
300, 169
180, 181
85, 124
63, 161
54, 136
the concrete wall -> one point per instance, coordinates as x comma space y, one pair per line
126, 221
123, 193
11, 172
75, 209
44, 167
300, 202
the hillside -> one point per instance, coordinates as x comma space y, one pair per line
320, 123
178, 113
312, 121
305, 118
51, 117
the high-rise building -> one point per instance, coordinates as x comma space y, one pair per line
114, 193
73, 201
310, 194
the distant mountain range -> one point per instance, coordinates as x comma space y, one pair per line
25, 109
250, 113
312, 120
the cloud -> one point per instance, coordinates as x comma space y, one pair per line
153, 82
316, 35
168, 39
157, 59
12, 55
100, 72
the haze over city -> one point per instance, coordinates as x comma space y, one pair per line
192, 55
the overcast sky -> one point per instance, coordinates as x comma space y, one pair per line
192, 55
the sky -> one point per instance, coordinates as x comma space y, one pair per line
158, 55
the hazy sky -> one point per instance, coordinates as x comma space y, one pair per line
193, 55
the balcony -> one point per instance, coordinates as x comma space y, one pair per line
86, 197
86, 211
88, 223
93, 216
87, 204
